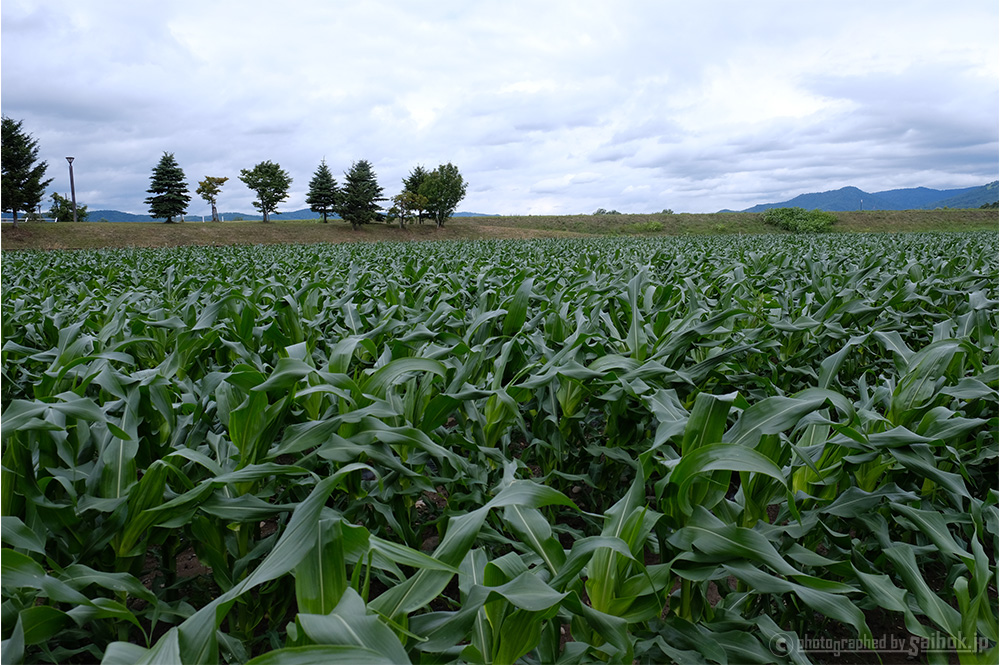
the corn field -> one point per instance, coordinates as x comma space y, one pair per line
662, 450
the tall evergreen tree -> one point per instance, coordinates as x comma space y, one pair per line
169, 190
271, 182
21, 184
360, 196
323, 193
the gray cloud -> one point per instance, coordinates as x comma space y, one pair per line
555, 108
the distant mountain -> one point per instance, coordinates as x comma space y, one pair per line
973, 198
845, 198
916, 198
116, 216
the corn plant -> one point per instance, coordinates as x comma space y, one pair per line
615, 450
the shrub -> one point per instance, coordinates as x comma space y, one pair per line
800, 220
651, 226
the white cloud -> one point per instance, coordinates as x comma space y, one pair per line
557, 107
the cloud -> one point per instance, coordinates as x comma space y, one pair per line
554, 107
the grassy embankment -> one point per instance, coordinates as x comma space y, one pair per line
95, 235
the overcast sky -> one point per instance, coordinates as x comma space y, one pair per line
546, 107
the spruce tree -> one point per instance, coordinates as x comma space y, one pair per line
169, 190
323, 193
21, 177
361, 194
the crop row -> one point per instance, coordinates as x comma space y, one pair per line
687, 450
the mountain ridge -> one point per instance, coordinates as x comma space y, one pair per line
912, 198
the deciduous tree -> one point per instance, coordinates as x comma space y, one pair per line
323, 192
21, 184
62, 209
412, 183
209, 189
361, 195
405, 203
444, 187
271, 184
169, 190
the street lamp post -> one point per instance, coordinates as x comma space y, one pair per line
72, 186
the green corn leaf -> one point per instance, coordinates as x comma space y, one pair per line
79, 576
721, 456
922, 463
42, 622
166, 650
933, 525
405, 556
732, 543
19, 414
885, 594
603, 572
855, 502
287, 373
314, 655
519, 634
707, 421
611, 628
832, 605
905, 564
348, 624
19, 571
533, 529
197, 634
517, 311
321, 576
392, 372
12, 648
16, 534
770, 416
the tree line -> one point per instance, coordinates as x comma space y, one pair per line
425, 194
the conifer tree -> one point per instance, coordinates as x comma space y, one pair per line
21, 175
323, 193
361, 194
169, 190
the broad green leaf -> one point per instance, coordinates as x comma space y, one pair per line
770, 416
314, 655
321, 576
349, 625
721, 456
16, 534
517, 311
